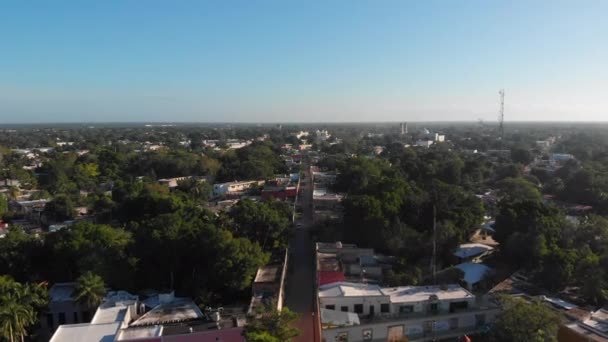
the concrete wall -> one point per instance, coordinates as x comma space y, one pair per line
68, 308
282, 286
226, 188
350, 302
443, 306
370, 271
418, 307
426, 328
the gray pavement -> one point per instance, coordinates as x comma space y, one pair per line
299, 288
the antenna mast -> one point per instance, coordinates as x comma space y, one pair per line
501, 116
434, 258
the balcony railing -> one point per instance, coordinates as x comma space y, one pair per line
379, 317
443, 334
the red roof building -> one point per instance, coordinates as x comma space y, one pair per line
328, 277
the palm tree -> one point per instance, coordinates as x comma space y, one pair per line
15, 317
32, 295
19, 305
13, 192
90, 290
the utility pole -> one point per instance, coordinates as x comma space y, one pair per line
501, 116
434, 258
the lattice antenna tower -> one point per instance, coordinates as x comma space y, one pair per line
501, 116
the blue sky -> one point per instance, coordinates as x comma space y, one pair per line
280, 61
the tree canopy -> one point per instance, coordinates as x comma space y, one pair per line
525, 321
272, 325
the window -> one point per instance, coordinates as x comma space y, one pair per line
384, 308
49, 320
480, 320
75, 317
85, 316
434, 307
61, 318
428, 326
406, 308
455, 306
454, 323
372, 310
359, 308
330, 307
344, 308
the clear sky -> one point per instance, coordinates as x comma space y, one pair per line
284, 60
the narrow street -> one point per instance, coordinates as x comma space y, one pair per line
300, 279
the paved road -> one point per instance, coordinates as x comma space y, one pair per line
300, 279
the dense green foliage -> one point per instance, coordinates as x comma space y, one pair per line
266, 223
272, 325
3, 205
60, 209
20, 305
525, 321
141, 234
560, 253
260, 160
89, 290
390, 206
166, 251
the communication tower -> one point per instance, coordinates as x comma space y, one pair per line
501, 115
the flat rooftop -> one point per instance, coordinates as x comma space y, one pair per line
179, 310
86, 332
415, 294
139, 333
109, 315
345, 289
473, 272
468, 250
586, 333
598, 323
268, 274
333, 245
114, 307
328, 262
61, 292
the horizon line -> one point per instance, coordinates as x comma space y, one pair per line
292, 122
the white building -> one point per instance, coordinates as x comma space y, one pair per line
420, 313
173, 182
301, 134
322, 135
117, 310
560, 157
365, 299
424, 143
236, 144
543, 144
594, 327
234, 187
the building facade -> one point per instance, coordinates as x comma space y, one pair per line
420, 313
